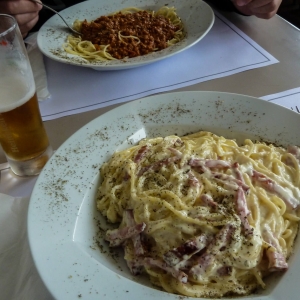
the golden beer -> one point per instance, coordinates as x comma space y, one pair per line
22, 133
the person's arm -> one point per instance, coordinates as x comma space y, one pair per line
25, 12
264, 9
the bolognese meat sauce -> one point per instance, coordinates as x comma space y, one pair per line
130, 35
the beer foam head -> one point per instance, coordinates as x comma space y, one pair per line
15, 90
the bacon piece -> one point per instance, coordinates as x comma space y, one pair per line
157, 165
198, 165
277, 261
242, 210
117, 236
221, 240
203, 263
192, 179
224, 271
237, 172
271, 186
186, 250
209, 163
230, 181
136, 265
179, 275
207, 200
136, 239
141, 153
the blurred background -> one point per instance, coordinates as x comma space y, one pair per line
290, 10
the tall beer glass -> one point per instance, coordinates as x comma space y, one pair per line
22, 133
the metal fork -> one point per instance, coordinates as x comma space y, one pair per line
46, 6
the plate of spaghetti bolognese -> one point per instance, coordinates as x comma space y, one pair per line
125, 34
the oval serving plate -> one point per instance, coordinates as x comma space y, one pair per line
197, 17
63, 224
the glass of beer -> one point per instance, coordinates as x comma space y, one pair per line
22, 134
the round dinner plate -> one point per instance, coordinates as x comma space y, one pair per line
63, 223
196, 15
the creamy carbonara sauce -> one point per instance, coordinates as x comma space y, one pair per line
201, 215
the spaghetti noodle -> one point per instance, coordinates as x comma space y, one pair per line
201, 215
128, 33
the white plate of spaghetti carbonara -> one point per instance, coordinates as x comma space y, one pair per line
125, 34
191, 194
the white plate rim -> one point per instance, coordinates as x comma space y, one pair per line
54, 30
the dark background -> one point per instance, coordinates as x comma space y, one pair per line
290, 10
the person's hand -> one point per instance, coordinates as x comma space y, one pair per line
264, 9
25, 12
